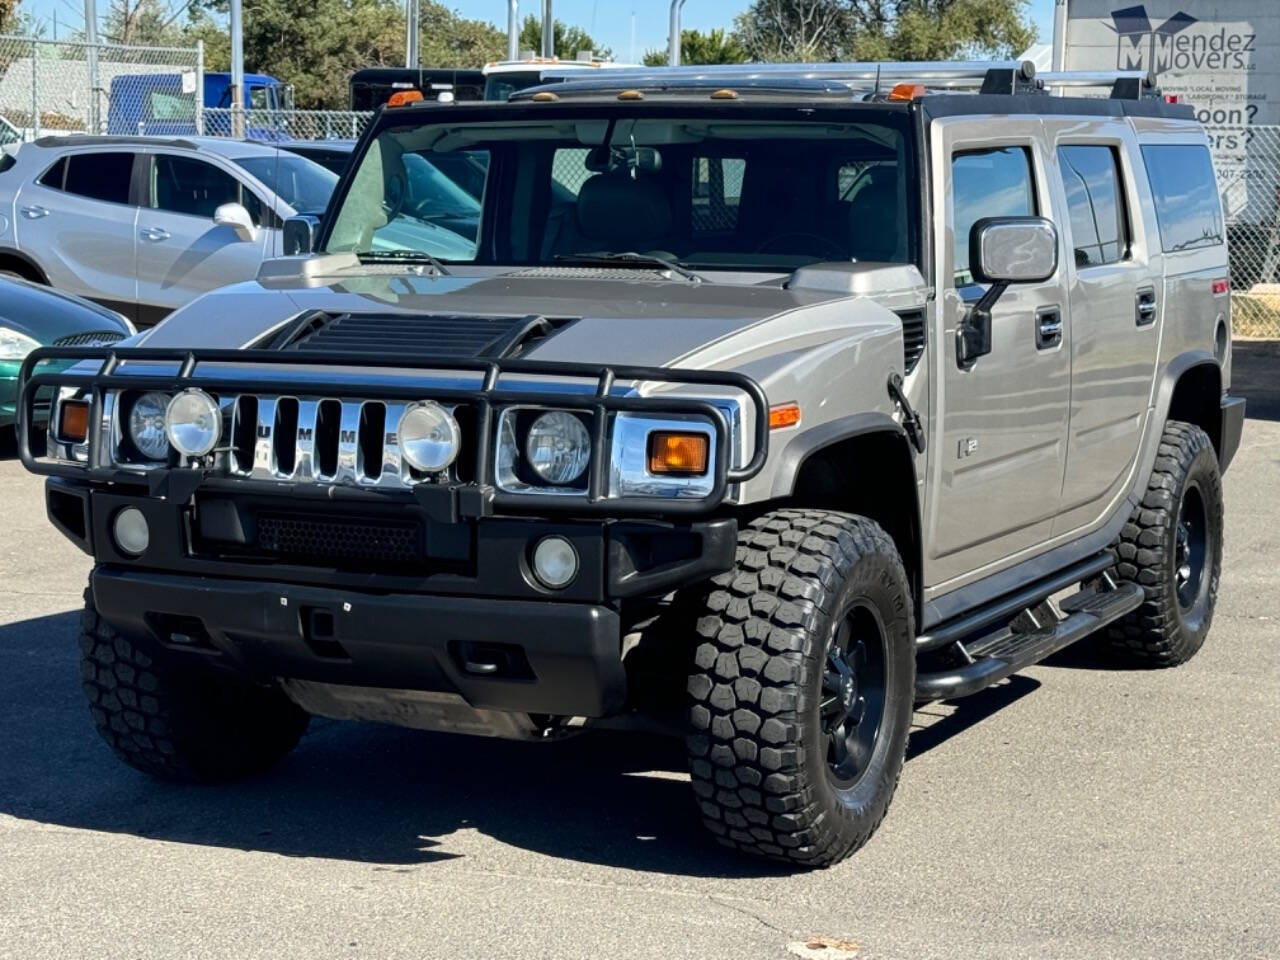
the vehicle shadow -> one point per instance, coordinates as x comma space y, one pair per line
8, 444
374, 794
1255, 375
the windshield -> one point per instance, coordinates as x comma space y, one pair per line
713, 193
302, 184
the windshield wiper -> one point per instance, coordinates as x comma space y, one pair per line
653, 259
404, 256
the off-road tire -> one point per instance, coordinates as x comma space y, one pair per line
1163, 632
177, 720
756, 750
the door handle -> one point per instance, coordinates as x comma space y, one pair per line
1145, 312
155, 234
34, 212
1048, 328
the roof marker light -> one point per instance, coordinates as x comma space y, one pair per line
546, 96
725, 94
631, 95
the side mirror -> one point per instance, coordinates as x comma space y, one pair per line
1003, 251
300, 235
236, 217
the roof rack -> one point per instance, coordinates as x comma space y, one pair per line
983, 76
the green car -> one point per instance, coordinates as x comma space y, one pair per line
35, 316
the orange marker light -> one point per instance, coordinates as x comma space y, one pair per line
631, 95
404, 97
784, 415
679, 454
73, 421
907, 92
546, 96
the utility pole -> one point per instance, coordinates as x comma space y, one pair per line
237, 70
413, 27
513, 29
91, 35
548, 30
673, 39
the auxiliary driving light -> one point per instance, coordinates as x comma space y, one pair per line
193, 423
555, 562
429, 436
132, 535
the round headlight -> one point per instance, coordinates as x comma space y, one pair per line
146, 425
193, 423
558, 447
429, 436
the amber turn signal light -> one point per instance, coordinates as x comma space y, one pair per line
784, 415
403, 97
907, 92
679, 454
73, 421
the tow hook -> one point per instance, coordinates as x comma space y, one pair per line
910, 419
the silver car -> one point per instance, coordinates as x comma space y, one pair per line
145, 225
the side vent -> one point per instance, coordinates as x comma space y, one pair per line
913, 337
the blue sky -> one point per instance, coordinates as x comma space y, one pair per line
609, 21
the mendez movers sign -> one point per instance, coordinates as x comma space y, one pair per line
1221, 56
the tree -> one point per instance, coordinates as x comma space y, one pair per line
794, 30
317, 44
142, 23
697, 47
568, 41
8, 15
819, 30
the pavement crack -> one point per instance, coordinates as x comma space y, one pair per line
738, 908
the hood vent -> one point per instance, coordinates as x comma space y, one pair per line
456, 337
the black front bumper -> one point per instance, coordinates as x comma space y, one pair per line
527, 657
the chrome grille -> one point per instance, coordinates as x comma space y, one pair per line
320, 440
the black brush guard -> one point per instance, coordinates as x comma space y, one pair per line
477, 498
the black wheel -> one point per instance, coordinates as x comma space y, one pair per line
1172, 547
802, 688
178, 721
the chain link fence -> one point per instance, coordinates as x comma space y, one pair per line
285, 124
51, 88
1248, 165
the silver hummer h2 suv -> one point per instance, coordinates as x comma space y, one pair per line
769, 400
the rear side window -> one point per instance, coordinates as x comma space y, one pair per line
1091, 176
1186, 196
191, 187
988, 183
97, 176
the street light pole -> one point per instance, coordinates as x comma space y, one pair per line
237, 70
673, 39
413, 27
91, 35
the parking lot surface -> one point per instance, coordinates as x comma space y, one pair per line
1074, 811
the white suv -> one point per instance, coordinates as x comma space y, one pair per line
145, 225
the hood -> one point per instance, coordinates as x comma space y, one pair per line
630, 317
47, 315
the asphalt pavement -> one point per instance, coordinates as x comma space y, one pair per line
1074, 811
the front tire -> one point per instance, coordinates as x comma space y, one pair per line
176, 720
803, 687
1172, 547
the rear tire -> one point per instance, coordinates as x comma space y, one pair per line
176, 720
803, 688
1172, 547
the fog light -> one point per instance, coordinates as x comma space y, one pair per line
555, 562
132, 534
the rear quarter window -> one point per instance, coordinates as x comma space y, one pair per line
1185, 192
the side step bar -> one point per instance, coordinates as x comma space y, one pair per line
1014, 603
1006, 651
